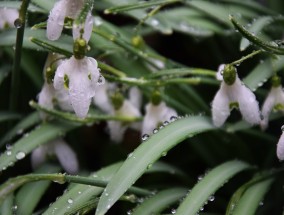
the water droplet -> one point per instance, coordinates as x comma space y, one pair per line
18, 23
161, 127
173, 118
165, 123
20, 155
101, 80
145, 137
154, 22
261, 203
79, 192
129, 212
8, 152
164, 154
106, 194
20, 131
211, 198
173, 211
149, 166
70, 201
200, 177
155, 131
201, 209
9, 146
282, 128
129, 155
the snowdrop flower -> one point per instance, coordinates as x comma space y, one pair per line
71, 9
78, 78
155, 115
233, 91
102, 100
274, 100
156, 112
8, 17
280, 147
124, 107
65, 155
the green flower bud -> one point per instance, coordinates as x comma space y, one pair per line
275, 81
117, 100
156, 97
138, 42
80, 48
229, 74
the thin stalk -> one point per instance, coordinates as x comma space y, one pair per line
15, 81
14, 183
237, 62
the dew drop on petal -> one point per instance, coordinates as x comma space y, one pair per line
101, 80
165, 123
20, 155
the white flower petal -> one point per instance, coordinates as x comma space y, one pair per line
55, 20
66, 156
8, 17
220, 106
156, 114
88, 27
46, 96
248, 105
219, 75
280, 148
135, 97
267, 107
38, 156
101, 100
116, 131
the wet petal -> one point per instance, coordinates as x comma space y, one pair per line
66, 156
220, 107
135, 97
88, 27
116, 131
38, 156
101, 100
55, 20
280, 148
267, 108
219, 75
248, 105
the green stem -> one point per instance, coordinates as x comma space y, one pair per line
13, 184
237, 62
111, 69
15, 80
91, 118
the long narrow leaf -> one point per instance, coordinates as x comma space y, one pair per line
205, 188
42, 134
146, 154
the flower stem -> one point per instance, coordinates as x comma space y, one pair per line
237, 62
15, 81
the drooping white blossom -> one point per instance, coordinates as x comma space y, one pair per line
155, 115
8, 17
280, 147
129, 108
63, 152
274, 98
71, 9
102, 100
238, 93
78, 79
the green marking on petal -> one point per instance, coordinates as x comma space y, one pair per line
278, 107
233, 105
66, 81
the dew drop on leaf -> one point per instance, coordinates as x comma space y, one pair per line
145, 137
20, 155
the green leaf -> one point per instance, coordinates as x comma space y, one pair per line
160, 201
147, 153
64, 43
211, 182
256, 28
24, 124
30, 194
80, 193
251, 199
7, 206
42, 134
139, 5
268, 46
17, 5
46, 5
4, 72
7, 116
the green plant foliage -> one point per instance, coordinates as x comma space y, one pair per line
132, 123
